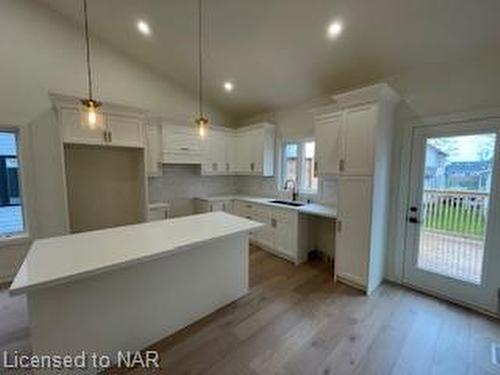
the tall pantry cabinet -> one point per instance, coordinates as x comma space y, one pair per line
354, 146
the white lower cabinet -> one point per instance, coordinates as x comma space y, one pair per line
285, 232
202, 206
281, 232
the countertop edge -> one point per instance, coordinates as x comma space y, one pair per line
13, 290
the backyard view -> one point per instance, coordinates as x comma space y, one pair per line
458, 173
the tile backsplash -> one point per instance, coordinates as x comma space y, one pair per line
179, 184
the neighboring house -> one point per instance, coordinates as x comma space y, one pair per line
435, 166
469, 175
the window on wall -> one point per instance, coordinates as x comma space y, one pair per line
11, 209
299, 165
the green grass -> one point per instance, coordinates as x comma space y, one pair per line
458, 220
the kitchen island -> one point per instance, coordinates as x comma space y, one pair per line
122, 289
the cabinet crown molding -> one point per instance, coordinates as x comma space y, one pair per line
63, 101
380, 92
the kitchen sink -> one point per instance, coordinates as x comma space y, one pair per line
287, 203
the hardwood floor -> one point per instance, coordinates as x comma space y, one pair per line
296, 321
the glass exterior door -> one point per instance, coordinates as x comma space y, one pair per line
450, 222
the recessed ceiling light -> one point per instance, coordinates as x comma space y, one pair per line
143, 27
334, 29
228, 86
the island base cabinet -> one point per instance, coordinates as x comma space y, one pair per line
353, 230
130, 308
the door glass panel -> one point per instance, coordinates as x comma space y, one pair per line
456, 195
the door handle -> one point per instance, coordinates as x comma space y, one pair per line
414, 220
413, 216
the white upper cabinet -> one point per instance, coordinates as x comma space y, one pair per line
153, 150
73, 132
118, 130
345, 140
358, 140
255, 150
214, 161
181, 144
328, 146
246, 151
230, 149
125, 131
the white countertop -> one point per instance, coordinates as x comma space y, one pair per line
309, 208
60, 259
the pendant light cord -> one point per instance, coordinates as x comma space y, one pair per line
87, 46
200, 56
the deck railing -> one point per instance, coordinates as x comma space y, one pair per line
453, 230
462, 213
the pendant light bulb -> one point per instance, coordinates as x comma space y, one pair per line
91, 116
202, 123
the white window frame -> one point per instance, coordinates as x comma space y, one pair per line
21, 144
300, 177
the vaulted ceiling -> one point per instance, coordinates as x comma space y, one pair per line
276, 51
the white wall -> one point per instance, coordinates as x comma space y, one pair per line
40, 52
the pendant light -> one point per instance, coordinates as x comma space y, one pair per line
202, 120
90, 116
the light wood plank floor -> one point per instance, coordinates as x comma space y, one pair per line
296, 321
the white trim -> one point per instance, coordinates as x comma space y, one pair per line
282, 178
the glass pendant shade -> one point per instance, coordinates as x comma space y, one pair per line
202, 123
90, 114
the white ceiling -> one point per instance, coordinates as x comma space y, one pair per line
276, 51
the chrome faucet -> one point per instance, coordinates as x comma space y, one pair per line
294, 191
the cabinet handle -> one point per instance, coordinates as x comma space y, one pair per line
315, 173
274, 223
184, 148
341, 165
110, 136
252, 166
105, 135
227, 166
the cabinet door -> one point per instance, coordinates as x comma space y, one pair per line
243, 154
215, 155
181, 144
230, 149
74, 132
255, 139
125, 131
358, 140
328, 145
286, 232
353, 229
153, 150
